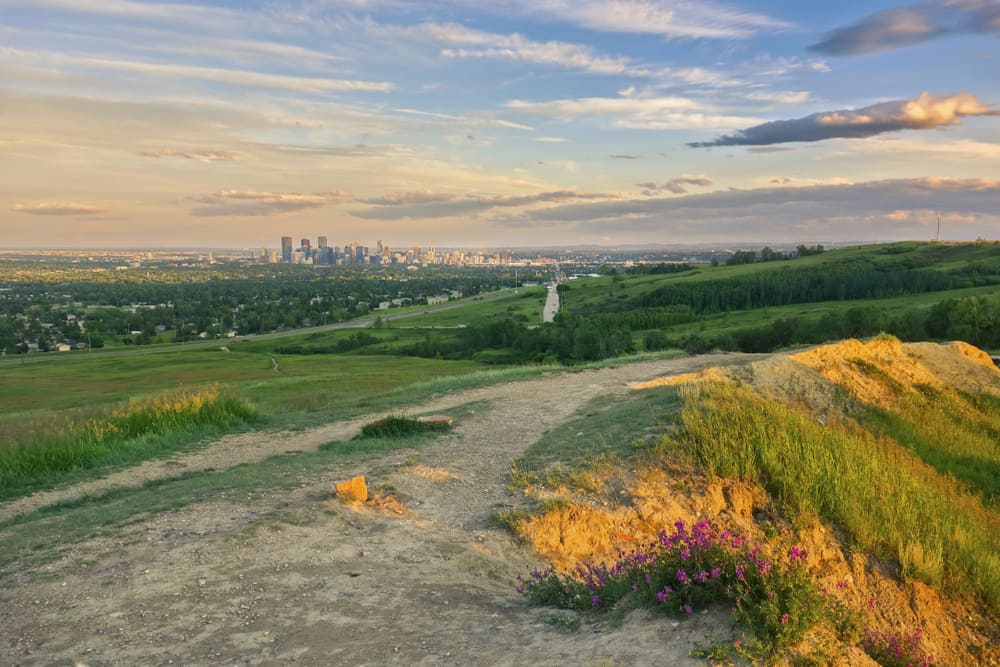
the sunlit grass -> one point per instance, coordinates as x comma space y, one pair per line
58, 447
888, 501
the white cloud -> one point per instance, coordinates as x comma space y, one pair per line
57, 209
635, 112
467, 120
239, 77
680, 18
604, 106
515, 47
781, 97
184, 13
201, 156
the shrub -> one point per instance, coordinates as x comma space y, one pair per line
892, 649
399, 427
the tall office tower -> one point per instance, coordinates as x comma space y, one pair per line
322, 241
378, 247
305, 243
286, 249
359, 254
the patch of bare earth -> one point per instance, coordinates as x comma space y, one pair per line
297, 577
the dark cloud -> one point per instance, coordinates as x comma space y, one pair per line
57, 209
912, 24
921, 113
768, 149
898, 208
471, 205
675, 185
256, 203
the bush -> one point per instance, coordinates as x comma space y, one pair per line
891, 649
399, 427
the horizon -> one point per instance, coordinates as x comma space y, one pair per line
129, 124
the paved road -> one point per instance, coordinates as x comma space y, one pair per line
551, 304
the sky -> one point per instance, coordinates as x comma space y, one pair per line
461, 123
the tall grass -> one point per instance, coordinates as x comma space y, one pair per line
132, 432
958, 434
888, 500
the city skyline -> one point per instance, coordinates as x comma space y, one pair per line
600, 122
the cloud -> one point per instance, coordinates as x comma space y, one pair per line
159, 12
683, 18
449, 207
203, 156
676, 185
624, 156
912, 24
921, 113
404, 198
255, 203
235, 77
551, 140
463, 42
781, 97
61, 208
976, 195
768, 149
633, 112
847, 211
472, 121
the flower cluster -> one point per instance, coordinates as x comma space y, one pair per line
688, 569
893, 649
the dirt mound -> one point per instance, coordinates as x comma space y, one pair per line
828, 381
875, 371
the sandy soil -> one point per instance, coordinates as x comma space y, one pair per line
296, 577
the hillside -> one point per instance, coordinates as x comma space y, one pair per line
238, 553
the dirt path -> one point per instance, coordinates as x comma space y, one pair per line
317, 582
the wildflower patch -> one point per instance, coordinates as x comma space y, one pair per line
689, 569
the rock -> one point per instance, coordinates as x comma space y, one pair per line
354, 489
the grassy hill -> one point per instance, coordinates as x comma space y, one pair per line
916, 291
877, 463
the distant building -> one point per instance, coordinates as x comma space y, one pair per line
286, 249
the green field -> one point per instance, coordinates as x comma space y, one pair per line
527, 303
320, 374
